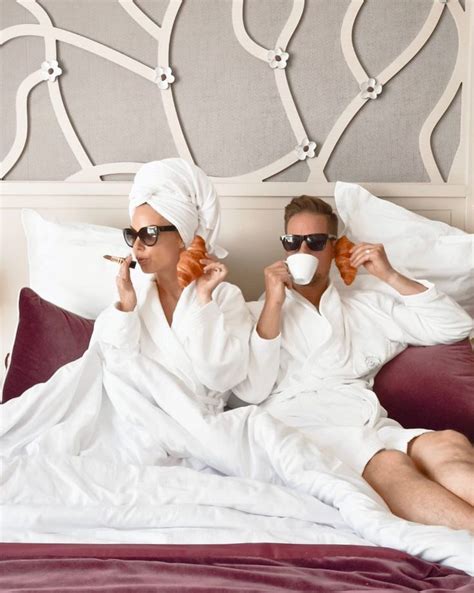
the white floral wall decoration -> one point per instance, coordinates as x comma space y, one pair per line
370, 89
306, 149
164, 77
50, 70
277, 58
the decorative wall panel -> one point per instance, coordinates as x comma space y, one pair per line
251, 90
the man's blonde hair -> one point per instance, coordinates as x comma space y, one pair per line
313, 205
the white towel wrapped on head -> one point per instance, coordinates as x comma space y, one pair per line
183, 194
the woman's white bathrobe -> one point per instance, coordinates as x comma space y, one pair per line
318, 373
102, 405
206, 346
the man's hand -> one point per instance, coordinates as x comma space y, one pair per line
374, 259
214, 273
127, 294
277, 277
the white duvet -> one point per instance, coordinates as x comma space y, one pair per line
115, 448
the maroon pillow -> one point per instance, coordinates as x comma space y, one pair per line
430, 387
47, 337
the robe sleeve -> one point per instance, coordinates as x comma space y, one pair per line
217, 339
427, 318
117, 328
264, 364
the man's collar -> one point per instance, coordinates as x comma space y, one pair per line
326, 295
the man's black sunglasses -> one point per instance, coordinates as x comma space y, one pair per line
148, 235
315, 241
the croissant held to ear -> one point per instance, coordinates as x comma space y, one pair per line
342, 251
189, 267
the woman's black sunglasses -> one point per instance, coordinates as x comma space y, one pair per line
148, 235
315, 241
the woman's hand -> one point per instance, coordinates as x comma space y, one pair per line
374, 259
214, 273
127, 294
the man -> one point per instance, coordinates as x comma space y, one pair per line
314, 353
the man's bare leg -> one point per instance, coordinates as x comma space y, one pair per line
446, 457
411, 495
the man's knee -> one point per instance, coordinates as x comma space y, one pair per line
386, 463
439, 444
453, 439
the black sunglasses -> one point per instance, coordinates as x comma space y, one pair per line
148, 235
315, 241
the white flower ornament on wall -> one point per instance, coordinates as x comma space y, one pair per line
277, 58
164, 77
306, 149
370, 89
50, 70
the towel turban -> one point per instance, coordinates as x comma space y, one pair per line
183, 194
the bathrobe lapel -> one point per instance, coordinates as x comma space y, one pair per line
324, 334
161, 341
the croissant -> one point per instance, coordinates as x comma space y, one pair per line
342, 257
189, 268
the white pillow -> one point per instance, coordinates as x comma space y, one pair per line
66, 266
416, 246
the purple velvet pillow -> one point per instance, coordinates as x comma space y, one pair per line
47, 337
430, 387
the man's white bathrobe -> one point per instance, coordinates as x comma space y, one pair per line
128, 445
318, 373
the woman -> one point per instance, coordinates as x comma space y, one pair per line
158, 346
200, 332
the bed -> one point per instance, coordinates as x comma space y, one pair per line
432, 386
444, 384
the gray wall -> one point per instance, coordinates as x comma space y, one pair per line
227, 100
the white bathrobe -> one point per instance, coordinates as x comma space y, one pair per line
318, 373
206, 346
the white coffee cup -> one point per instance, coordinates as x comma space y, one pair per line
302, 267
